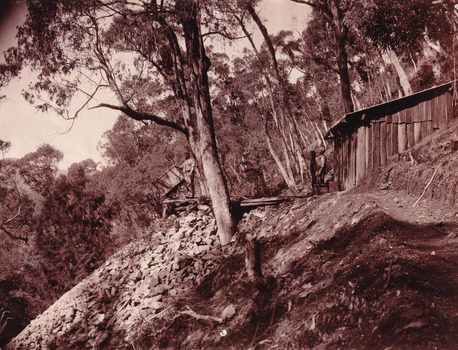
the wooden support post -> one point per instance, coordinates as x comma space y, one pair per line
253, 258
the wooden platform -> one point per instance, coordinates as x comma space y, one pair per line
243, 202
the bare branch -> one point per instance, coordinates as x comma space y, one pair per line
14, 217
25, 239
224, 35
317, 7
143, 116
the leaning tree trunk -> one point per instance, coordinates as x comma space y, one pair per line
402, 75
202, 139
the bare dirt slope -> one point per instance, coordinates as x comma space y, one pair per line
370, 268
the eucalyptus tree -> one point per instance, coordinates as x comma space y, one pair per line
419, 32
129, 56
393, 27
333, 12
137, 155
16, 207
278, 113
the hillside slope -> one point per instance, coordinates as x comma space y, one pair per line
373, 267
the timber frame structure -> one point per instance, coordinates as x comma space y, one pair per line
371, 138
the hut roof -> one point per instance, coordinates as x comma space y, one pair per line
363, 116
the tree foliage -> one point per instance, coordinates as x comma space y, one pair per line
73, 228
404, 24
16, 206
138, 154
80, 50
39, 168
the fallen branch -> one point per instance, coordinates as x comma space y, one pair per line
426, 187
197, 316
25, 239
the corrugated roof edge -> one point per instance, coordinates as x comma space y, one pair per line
385, 108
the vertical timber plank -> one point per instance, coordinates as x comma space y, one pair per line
389, 141
421, 112
383, 144
368, 149
449, 106
376, 145
417, 131
361, 154
337, 160
428, 114
352, 160
369, 141
435, 117
441, 111
345, 163
410, 135
402, 137
394, 137
408, 115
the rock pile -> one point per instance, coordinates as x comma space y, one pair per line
135, 284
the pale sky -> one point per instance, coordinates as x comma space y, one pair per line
27, 128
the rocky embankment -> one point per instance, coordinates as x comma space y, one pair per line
131, 288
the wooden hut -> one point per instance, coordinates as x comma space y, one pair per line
369, 138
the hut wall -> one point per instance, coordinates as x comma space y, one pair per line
374, 144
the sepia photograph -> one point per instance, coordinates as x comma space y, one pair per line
228, 174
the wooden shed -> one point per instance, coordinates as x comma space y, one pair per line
369, 138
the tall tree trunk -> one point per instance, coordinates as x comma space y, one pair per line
289, 123
204, 143
281, 86
290, 182
339, 37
